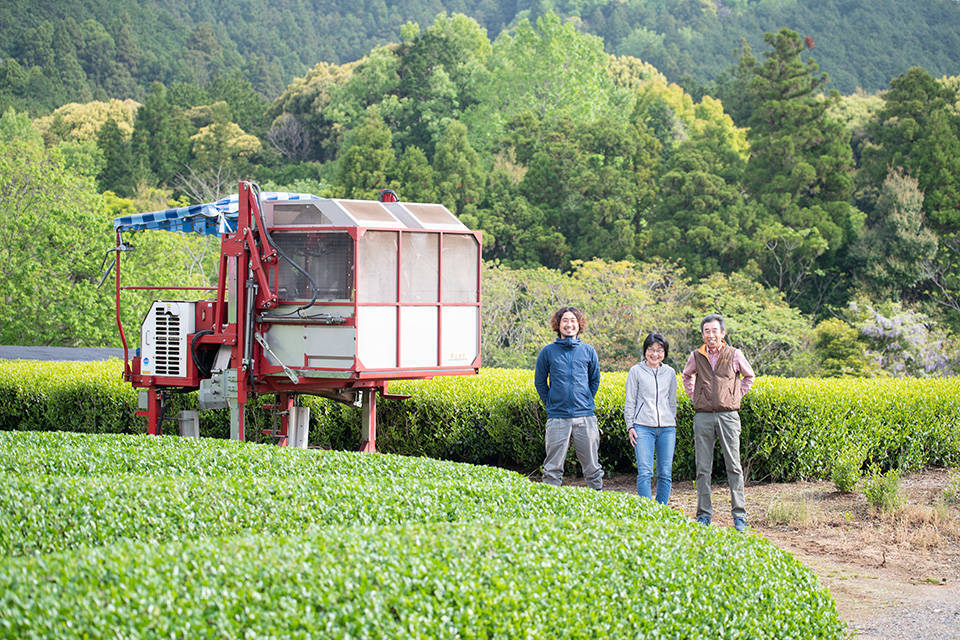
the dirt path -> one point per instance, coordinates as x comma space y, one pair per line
893, 576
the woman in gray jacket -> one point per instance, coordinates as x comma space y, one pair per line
650, 411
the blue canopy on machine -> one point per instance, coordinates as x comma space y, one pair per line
213, 218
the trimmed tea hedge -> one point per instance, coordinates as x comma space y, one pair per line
792, 428
131, 536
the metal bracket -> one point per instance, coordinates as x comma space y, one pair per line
287, 370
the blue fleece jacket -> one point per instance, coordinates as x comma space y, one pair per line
567, 378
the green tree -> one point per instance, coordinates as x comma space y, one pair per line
415, 179
839, 351
515, 231
440, 73
161, 136
367, 160
456, 166
595, 181
917, 129
701, 218
118, 171
895, 243
549, 69
800, 174
50, 219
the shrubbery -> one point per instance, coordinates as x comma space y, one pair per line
882, 490
792, 428
133, 536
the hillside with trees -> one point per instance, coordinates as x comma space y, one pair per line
825, 226
71, 51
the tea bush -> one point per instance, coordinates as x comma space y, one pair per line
135, 536
793, 428
882, 490
846, 470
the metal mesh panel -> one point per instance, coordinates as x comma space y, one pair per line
327, 257
166, 359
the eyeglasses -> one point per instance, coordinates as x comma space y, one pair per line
655, 350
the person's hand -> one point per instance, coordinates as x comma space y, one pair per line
633, 437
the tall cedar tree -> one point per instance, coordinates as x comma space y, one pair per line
917, 130
800, 173
118, 171
161, 136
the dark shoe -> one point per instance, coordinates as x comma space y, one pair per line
740, 524
704, 520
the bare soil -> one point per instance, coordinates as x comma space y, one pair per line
893, 575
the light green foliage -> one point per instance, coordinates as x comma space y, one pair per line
838, 350
82, 122
17, 127
895, 245
882, 490
845, 473
759, 322
57, 230
857, 109
69, 396
792, 428
548, 69
221, 142
50, 255
795, 428
190, 536
82, 158
622, 302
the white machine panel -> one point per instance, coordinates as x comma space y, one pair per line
163, 339
377, 337
418, 337
461, 330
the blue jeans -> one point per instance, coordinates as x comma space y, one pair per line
662, 441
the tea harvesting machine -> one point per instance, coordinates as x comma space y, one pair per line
314, 296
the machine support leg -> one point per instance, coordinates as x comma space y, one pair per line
368, 421
154, 407
284, 404
237, 414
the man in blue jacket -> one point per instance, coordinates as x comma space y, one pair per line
567, 378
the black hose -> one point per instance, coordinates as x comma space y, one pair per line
204, 372
282, 254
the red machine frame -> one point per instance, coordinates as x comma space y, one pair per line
249, 254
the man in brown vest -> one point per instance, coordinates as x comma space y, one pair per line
722, 377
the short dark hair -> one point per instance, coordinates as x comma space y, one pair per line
713, 317
555, 319
653, 338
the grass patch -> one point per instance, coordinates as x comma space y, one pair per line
794, 513
882, 491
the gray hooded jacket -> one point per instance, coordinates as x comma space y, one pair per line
651, 396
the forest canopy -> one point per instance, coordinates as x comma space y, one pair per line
780, 201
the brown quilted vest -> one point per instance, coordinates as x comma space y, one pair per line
716, 389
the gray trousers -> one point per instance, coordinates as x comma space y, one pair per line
707, 428
586, 442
